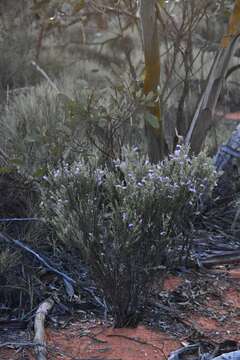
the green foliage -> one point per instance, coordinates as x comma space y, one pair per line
124, 220
37, 130
42, 127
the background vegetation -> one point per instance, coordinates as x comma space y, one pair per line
74, 153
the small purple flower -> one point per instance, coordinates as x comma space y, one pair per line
192, 189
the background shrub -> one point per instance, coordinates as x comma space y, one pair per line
43, 126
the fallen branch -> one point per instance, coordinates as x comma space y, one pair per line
39, 338
17, 344
232, 257
67, 280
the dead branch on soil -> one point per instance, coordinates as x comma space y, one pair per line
226, 258
68, 281
17, 344
39, 338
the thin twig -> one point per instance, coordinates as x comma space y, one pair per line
19, 219
45, 75
37, 256
142, 342
68, 281
17, 344
18, 243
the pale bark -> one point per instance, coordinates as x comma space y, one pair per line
203, 117
39, 338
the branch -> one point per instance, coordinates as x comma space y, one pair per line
39, 338
19, 219
226, 258
68, 281
17, 344
203, 116
45, 75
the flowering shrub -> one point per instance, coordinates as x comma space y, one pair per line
124, 220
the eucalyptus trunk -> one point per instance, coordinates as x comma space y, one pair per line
155, 135
204, 116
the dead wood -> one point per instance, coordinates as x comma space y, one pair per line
68, 281
227, 258
17, 344
39, 338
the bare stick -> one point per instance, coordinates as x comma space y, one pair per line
45, 75
39, 338
68, 281
17, 344
19, 219
226, 258
36, 255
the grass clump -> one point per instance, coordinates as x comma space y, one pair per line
125, 220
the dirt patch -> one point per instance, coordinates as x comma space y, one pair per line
171, 283
232, 298
212, 313
100, 342
234, 273
82, 341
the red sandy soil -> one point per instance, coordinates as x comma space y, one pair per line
217, 319
234, 116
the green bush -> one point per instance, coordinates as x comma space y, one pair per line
44, 126
37, 130
123, 220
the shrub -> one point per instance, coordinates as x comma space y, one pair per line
36, 130
123, 219
44, 126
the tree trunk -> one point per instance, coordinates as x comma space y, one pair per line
203, 117
155, 136
233, 25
